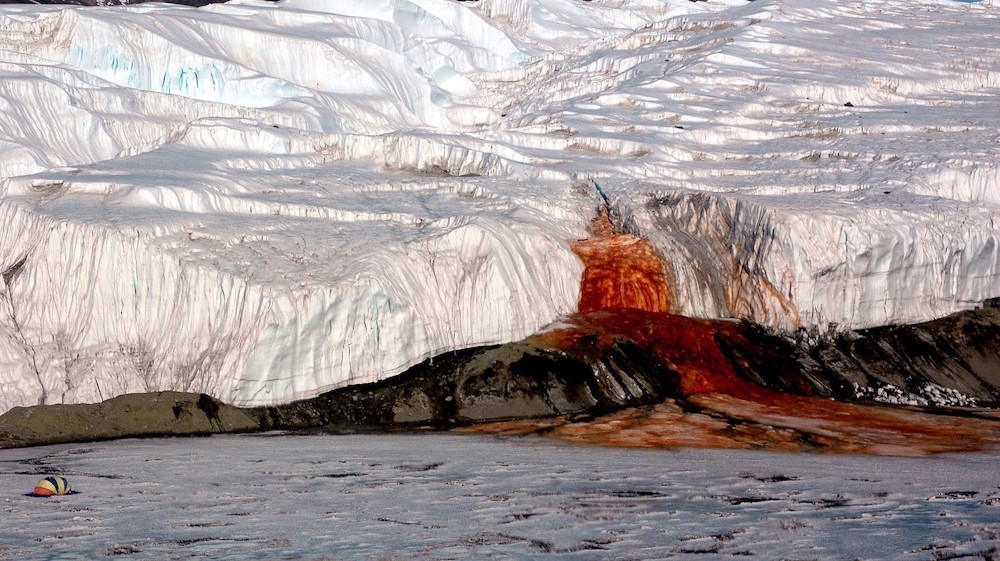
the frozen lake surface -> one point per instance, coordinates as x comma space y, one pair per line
442, 496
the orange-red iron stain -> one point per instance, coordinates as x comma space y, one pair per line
620, 271
624, 295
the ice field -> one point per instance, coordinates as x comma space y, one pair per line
438, 496
262, 201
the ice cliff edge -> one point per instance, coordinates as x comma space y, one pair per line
262, 201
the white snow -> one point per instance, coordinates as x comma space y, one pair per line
440, 496
929, 394
263, 201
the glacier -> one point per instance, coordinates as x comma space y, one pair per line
263, 200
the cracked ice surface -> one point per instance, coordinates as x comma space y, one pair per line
263, 201
439, 496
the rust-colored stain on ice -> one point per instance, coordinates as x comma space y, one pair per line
621, 271
625, 296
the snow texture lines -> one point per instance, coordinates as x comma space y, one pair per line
446, 497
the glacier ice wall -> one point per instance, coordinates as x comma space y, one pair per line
299, 280
797, 166
264, 200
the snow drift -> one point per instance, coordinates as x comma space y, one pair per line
262, 201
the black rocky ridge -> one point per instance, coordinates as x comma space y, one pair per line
960, 353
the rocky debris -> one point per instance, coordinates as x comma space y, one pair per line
953, 361
677, 370
950, 361
151, 414
513, 381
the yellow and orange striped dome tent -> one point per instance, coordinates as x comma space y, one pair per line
53, 485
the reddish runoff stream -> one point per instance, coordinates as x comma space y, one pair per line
625, 295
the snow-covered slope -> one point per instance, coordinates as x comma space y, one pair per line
264, 200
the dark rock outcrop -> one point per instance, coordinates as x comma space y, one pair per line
153, 414
513, 381
592, 375
960, 353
